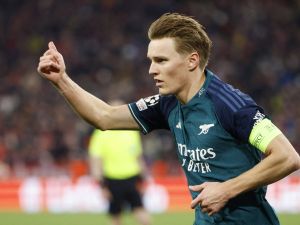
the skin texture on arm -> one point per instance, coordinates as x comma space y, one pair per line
281, 160
90, 108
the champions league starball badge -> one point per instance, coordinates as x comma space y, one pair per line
152, 100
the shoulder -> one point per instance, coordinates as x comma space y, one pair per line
236, 111
225, 96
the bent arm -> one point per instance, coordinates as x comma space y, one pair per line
92, 109
281, 160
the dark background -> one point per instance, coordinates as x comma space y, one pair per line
255, 47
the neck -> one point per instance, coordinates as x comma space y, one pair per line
192, 88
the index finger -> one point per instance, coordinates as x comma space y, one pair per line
196, 201
198, 188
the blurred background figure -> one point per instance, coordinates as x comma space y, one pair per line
117, 164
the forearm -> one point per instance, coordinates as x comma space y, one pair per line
87, 106
280, 161
266, 172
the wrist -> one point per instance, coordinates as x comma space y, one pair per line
232, 188
63, 83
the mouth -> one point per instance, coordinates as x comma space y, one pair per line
158, 83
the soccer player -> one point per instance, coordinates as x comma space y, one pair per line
229, 149
116, 161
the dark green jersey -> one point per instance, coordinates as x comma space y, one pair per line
211, 133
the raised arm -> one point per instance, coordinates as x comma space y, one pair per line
90, 108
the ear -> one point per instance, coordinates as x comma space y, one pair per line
193, 61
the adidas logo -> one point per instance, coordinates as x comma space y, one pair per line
178, 125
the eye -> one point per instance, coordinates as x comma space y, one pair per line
160, 60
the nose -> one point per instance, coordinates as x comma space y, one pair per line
153, 69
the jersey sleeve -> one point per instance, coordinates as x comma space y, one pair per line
239, 114
251, 125
150, 113
239, 123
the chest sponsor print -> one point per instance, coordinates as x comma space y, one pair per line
195, 160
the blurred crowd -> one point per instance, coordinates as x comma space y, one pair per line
256, 47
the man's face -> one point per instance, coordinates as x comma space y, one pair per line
168, 68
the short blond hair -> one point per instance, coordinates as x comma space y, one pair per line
189, 35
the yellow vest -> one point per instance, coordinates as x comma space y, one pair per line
119, 151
